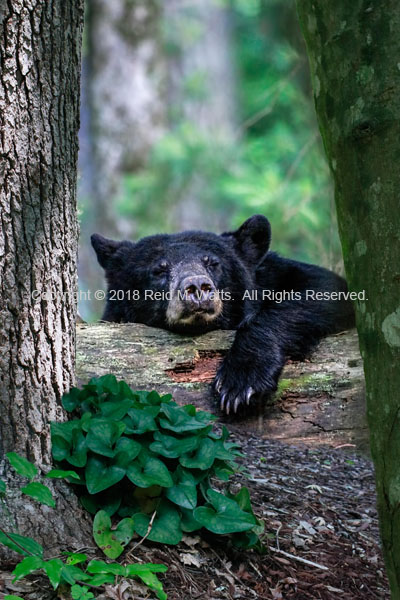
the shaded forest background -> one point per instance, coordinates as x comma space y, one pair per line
196, 115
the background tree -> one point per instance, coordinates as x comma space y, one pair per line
39, 112
122, 115
354, 50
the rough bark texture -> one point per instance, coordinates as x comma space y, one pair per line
320, 401
39, 117
354, 50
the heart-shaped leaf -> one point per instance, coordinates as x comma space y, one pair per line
165, 527
100, 476
179, 420
112, 541
172, 447
184, 492
141, 419
126, 450
147, 470
223, 515
116, 411
202, 458
78, 450
102, 436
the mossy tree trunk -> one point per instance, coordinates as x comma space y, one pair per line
354, 50
40, 46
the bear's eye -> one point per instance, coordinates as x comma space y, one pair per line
210, 261
160, 268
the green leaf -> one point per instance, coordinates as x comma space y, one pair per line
100, 579
107, 383
223, 515
39, 492
153, 398
81, 592
100, 476
141, 419
53, 570
78, 451
26, 566
71, 573
202, 458
166, 527
3, 487
226, 451
112, 542
188, 522
126, 450
136, 569
184, 492
71, 400
74, 558
102, 436
116, 411
99, 566
146, 572
21, 465
26, 545
243, 500
108, 501
60, 474
147, 471
12, 597
248, 539
179, 420
172, 447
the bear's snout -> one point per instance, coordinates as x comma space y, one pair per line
197, 292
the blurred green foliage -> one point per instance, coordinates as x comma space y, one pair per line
273, 164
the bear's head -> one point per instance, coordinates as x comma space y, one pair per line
188, 282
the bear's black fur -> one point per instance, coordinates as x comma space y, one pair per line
206, 281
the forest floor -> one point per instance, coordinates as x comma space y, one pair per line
321, 531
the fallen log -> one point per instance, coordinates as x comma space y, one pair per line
320, 401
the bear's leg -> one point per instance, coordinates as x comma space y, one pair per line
254, 363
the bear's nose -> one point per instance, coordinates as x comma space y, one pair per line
197, 290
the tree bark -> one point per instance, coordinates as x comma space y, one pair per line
39, 112
319, 402
354, 50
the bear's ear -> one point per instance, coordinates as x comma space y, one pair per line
104, 248
252, 239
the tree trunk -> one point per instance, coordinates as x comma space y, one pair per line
200, 91
123, 115
39, 111
319, 402
354, 50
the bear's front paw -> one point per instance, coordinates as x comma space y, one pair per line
239, 386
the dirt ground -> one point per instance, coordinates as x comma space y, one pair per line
321, 530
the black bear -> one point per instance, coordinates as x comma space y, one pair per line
193, 282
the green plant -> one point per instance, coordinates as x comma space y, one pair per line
152, 462
89, 574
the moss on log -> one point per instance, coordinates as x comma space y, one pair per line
319, 402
